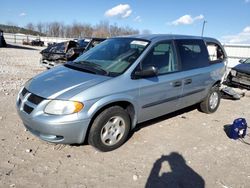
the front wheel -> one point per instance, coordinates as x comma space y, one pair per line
109, 129
211, 103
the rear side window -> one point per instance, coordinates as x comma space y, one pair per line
192, 53
215, 52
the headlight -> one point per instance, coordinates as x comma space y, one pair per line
59, 107
233, 72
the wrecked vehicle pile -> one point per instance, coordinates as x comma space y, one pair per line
59, 53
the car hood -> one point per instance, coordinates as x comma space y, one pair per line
62, 83
244, 68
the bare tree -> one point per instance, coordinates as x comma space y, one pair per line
114, 30
30, 26
146, 31
76, 30
55, 29
87, 30
40, 27
62, 32
82, 30
102, 29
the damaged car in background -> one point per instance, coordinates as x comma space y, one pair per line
239, 76
59, 53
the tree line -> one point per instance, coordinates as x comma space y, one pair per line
15, 29
81, 30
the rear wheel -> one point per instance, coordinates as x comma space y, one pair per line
211, 103
110, 129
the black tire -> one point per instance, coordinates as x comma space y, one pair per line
207, 106
100, 128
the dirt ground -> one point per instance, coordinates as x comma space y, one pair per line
183, 149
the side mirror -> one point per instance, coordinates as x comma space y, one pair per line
241, 61
146, 72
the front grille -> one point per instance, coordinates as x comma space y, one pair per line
243, 76
24, 91
33, 100
18, 102
27, 109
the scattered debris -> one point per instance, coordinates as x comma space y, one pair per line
222, 184
34, 153
12, 185
230, 93
28, 150
135, 177
216, 120
59, 146
9, 172
183, 117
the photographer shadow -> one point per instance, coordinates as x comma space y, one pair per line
181, 175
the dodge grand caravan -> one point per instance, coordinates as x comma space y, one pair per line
105, 92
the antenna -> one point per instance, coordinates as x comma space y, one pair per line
203, 27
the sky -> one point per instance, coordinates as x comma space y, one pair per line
226, 20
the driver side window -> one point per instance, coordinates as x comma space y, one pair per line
161, 56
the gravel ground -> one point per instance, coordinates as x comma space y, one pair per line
183, 149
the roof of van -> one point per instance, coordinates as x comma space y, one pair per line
158, 37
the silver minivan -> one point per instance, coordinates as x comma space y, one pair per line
107, 91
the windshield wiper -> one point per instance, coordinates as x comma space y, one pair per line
90, 66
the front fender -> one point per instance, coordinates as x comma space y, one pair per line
101, 103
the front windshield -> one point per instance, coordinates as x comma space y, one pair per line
82, 43
113, 56
247, 61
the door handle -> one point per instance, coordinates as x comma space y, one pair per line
177, 84
188, 81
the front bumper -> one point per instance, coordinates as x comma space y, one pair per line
54, 131
241, 80
66, 129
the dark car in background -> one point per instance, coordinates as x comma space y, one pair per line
239, 75
37, 42
59, 53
